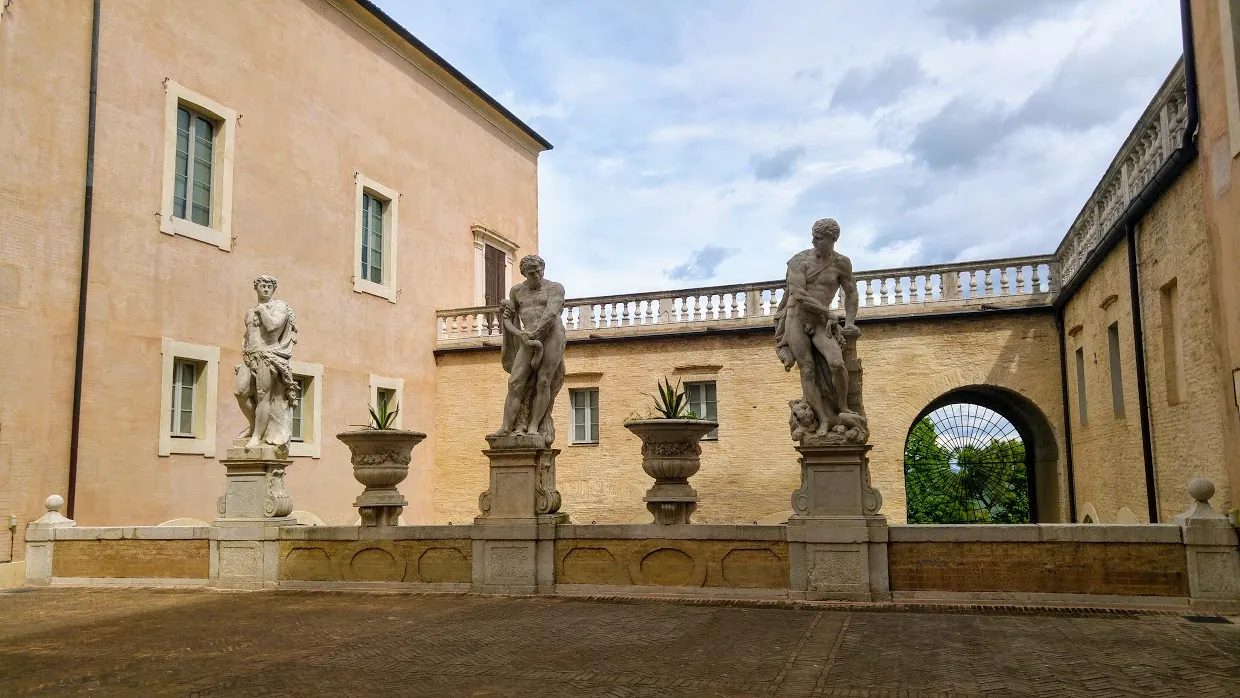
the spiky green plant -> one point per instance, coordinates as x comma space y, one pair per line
671, 402
383, 417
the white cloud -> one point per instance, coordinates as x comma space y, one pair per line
682, 127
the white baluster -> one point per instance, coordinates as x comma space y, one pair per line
1020, 280
973, 284
1004, 289
874, 292
1036, 281
927, 291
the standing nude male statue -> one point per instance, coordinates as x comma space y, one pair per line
265, 388
808, 335
532, 353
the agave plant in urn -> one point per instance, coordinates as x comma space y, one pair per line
381, 456
671, 453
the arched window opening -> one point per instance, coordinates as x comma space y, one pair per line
966, 464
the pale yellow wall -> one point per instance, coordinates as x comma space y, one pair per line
44, 69
1188, 437
1108, 466
1221, 202
319, 99
751, 471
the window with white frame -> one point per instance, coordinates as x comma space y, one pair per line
188, 398
372, 238
584, 403
375, 239
493, 262
388, 392
191, 191
307, 427
184, 379
299, 410
702, 401
198, 157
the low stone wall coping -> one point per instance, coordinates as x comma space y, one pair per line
126, 533
687, 532
440, 532
1037, 533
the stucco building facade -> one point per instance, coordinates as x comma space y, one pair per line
309, 112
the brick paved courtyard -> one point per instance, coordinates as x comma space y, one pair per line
212, 643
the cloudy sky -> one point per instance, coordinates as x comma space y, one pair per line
696, 141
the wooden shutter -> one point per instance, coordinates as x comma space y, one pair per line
495, 290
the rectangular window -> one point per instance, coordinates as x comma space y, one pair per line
184, 377
702, 402
191, 197
494, 275
1173, 347
585, 415
1117, 379
1082, 413
303, 389
372, 238
386, 399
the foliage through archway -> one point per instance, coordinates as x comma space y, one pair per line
964, 463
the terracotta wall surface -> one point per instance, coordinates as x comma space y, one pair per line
1221, 203
749, 474
320, 98
154, 559
1124, 569
44, 68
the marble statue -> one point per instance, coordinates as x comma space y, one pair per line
809, 335
533, 356
265, 387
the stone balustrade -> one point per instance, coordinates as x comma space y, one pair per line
935, 288
1157, 134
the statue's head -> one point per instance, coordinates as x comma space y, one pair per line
532, 267
266, 287
825, 234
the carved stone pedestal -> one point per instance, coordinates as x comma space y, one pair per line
254, 494
514, 536
837, 540
253, 507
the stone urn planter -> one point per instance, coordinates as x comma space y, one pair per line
380, 462
671, 454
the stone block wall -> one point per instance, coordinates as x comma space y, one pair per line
1188, 433
749, 474
1096, 560
1106, 449
723, 557
1065, 563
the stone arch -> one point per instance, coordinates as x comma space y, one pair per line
1041, 446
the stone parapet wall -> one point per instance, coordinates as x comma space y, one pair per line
1066, 563
722, 557
436, 555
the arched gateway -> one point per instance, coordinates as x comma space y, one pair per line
981, 454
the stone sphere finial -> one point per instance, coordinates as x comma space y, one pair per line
1200, 489
55, 502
